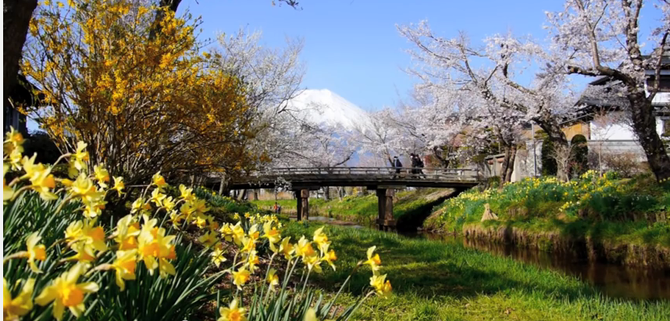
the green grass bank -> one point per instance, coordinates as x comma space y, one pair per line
434, 280
609, 219
410, 208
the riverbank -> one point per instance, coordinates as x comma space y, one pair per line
433, 280
602, 219
410, 208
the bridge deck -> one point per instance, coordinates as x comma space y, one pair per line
313, 178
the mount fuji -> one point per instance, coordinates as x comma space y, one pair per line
326, 108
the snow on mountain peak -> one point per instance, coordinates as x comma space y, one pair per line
325, 107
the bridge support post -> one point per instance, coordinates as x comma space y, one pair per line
303, 204
385, 208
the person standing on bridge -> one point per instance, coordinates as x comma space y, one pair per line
397, 165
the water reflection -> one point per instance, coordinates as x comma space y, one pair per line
614, 280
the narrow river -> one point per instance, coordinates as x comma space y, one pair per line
613, 280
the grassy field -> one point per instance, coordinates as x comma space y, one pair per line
410, 207
442, 281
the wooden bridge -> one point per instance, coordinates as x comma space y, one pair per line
385, 180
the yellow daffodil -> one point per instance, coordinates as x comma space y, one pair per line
124, 265
227, 232
304, 248
83, 254
127, 230
15, 158
310, 315
168, 203
154, 248
13, 308
35, 251
119, 185
321, 239
80, 156
373, 260
83, 187
286, 248
157, 197
272, 234
139, 205
272, 279
158, 180
238, 233
102, 175
186, 193
252, 261
42, 181
64, 291
330, 257
241, 278
217, 256
200, 206
14, 139
382, 288
232, 313
208, 239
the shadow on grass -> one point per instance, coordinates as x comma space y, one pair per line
428, 268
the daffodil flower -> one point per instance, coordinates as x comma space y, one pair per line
119, 185
382, 288
208, 239
241, 277
321, 239
217, 257
373, 260
102, 175
272, 279
64, 291
286, 248
124, 265
13, 308
158, 180
232, 313
35, 251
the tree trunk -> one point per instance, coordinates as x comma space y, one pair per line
559, 141
326, 193
255, 194
512, 160
505, 166
445, 161
644, 124
17, 14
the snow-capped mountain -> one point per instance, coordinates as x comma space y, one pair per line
325, 107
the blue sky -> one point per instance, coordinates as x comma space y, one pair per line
352, 46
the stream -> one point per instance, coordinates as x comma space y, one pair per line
612, 279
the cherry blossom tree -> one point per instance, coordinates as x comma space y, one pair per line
489, 75
602, 39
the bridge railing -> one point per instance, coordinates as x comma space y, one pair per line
405, 172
